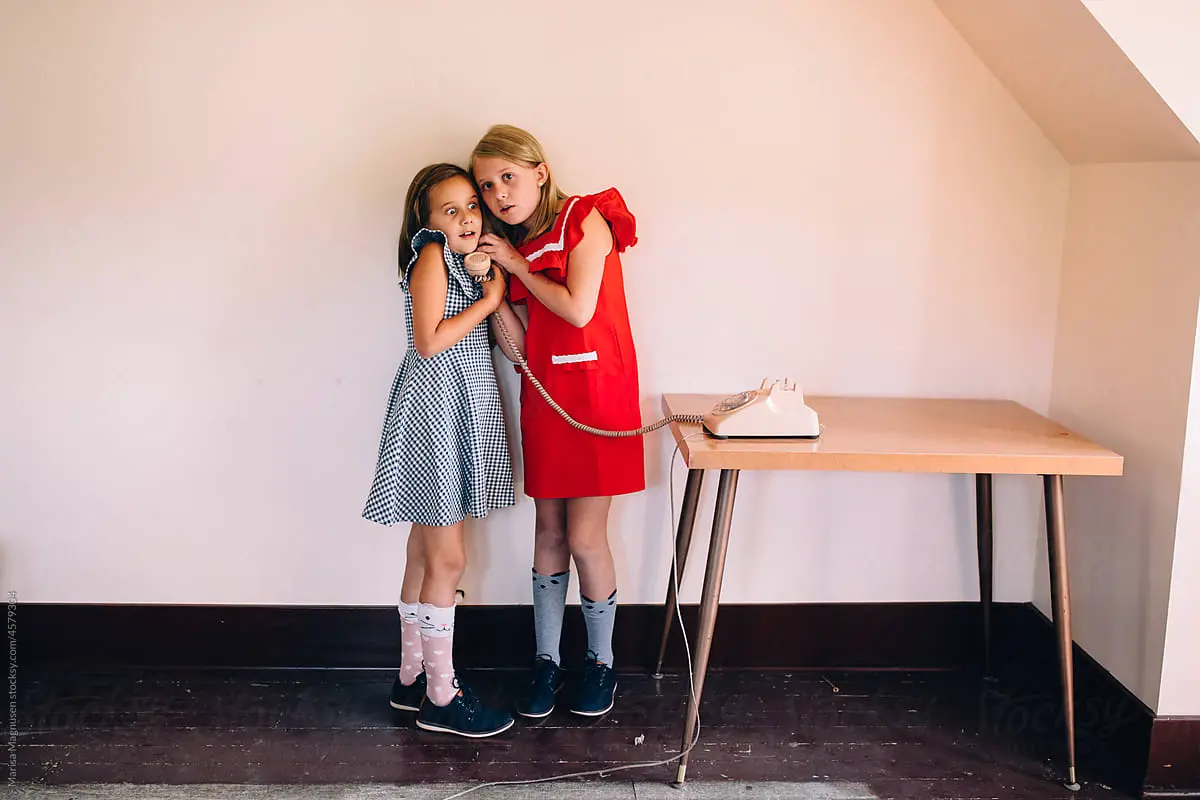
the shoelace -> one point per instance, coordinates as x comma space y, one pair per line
592, 666
470, 702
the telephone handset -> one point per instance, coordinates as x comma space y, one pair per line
479, 266
775, 410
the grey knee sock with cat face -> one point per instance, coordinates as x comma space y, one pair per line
549, 603
599, 616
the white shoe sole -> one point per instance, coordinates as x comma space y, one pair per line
536, 716
439, 729
602, 712
557, 689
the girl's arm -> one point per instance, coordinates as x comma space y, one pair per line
576, 301
428, 284
515, 327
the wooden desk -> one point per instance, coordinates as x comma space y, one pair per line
868, 434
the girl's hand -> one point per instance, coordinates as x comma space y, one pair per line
504, 254
493, 290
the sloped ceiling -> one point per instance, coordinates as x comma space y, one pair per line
1072, 79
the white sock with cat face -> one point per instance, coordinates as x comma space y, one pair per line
437, 645
410, 644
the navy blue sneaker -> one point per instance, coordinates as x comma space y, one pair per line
407, 698
465, 715
598, 689
538, 700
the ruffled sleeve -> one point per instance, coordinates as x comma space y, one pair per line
423, 237
611, 206
454, 263
549, 253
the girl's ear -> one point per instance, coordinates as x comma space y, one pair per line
543, 173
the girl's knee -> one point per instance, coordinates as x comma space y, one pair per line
584, 543
414, 551
448, 565
549, 535
445, 556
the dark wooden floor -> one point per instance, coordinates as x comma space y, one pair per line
906, 735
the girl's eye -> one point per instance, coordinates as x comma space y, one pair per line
472, 206
486, 185
451, 211
508, 176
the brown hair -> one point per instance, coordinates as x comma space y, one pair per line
416, 204
520, 147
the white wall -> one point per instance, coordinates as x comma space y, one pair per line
1180, 694
1084, 92
1159, 36
1160, 39
1122, 370
197, 276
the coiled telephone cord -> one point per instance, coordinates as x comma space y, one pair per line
693, 418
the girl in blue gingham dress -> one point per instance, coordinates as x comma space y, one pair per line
443, 454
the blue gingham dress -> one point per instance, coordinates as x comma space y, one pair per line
443, 455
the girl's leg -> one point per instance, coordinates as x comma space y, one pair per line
449, 707
445, 561
587, 538
410, 589
414, 566
551, 575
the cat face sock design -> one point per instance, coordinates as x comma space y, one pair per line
410, 644
437, 644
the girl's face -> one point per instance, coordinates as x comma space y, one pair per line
454, 210
511, 191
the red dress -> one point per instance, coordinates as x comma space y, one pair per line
591, 372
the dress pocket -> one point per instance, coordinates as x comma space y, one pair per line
575, 362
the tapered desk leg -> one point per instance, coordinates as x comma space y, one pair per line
710, 598
1060, 599
983, 536
683, 541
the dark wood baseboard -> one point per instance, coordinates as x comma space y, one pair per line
1113, 728
802, 636
1174, 765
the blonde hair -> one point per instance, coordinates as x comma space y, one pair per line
520, 147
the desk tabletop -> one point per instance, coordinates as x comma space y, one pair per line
886, 434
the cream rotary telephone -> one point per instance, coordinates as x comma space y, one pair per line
775, 410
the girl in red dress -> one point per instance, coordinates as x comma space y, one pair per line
562, 252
